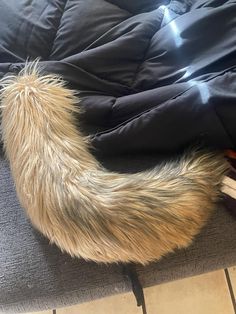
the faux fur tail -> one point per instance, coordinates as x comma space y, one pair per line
86, 210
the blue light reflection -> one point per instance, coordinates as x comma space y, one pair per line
167, 19
203, 90
202, 86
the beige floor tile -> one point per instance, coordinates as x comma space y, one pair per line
205, 294
232, 275
44, 312
119, 304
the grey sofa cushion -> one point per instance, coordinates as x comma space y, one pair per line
35, 275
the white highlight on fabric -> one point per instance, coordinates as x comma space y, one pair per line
172, 23
202, 87
203, 90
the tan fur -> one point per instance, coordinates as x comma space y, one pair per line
84, 209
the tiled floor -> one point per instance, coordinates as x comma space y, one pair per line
211, 293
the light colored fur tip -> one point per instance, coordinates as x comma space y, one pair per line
86, 210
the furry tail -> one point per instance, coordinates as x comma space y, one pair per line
84, 209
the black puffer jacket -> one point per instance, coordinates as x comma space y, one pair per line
154, 75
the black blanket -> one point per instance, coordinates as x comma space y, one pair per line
153, 76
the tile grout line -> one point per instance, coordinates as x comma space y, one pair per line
231, 291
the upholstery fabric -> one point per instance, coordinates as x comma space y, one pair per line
35, 275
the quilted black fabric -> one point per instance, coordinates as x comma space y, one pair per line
154, 76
